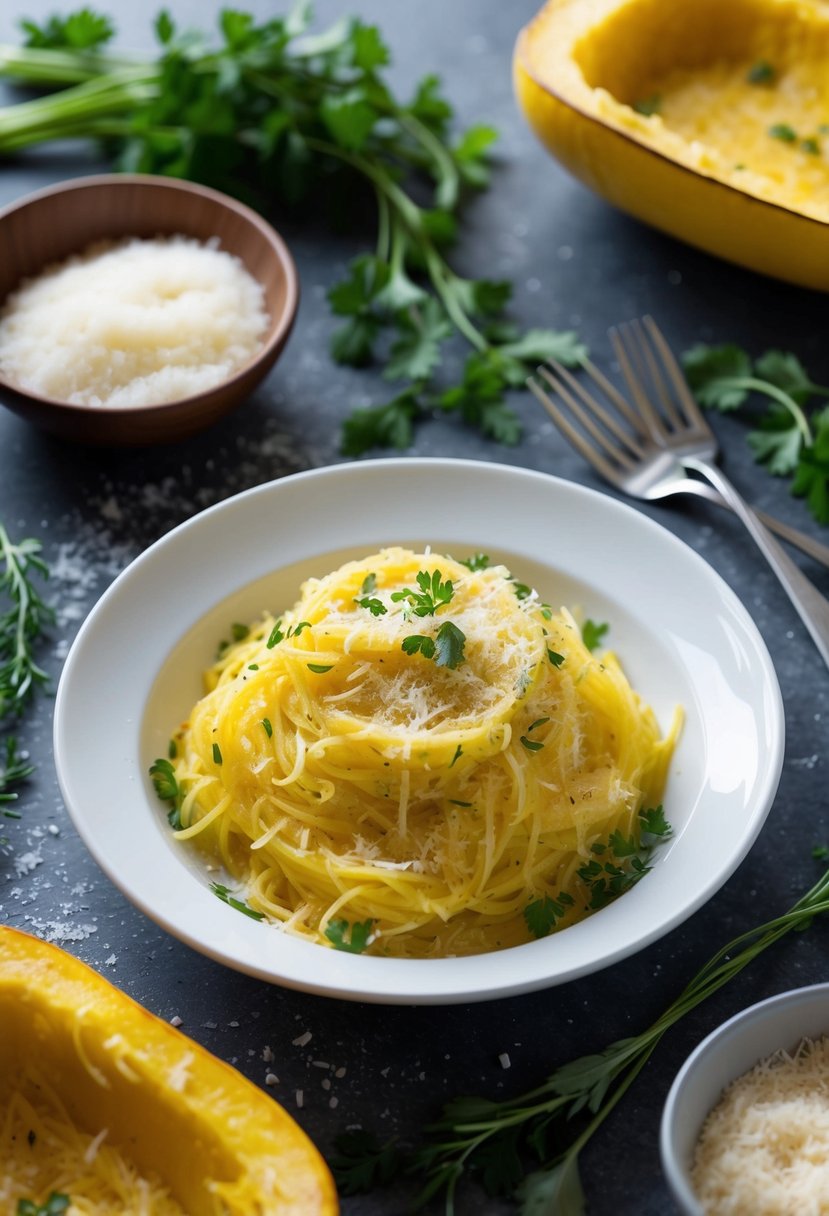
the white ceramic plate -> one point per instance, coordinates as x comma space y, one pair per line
684, 638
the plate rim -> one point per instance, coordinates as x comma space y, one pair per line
395, 981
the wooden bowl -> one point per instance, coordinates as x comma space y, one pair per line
62, 220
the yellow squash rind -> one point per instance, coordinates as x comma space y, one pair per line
172, 1107
626, 158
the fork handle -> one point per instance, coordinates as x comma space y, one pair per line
811, 606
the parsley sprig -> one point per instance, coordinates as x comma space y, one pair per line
553, 1122
789, 435
434, 593
274, 111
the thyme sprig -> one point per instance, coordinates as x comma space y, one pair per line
491, 1140
22, 623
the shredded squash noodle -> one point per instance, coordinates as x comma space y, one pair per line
43, 1153
415, 759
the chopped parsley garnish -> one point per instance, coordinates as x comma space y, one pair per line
648, 105
266, 723
761, 72
55, 1205
457, 802
172, 749
253, 666
782, 131
457, 755
532, 745
618, 864
434, 593
167, 788
810, 145
555, 658
319, 669
239, 632
369, 584
217, 754
538, 722
275, 636
541, 915
164, 780
522, 591
357, 939
376, 607
446, 648
225, 896
593, 633
477, 561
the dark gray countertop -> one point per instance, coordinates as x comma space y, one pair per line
575, 262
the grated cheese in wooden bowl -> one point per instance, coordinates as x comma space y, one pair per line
764, 1148
133, 323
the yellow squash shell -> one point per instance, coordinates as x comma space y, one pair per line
174, 1109
708, 119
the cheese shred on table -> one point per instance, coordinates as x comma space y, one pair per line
764, 1149
348, 777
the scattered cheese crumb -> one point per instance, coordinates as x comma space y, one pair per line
303, 1040
504, 1060
271, 1078
300, 1097
175, 1021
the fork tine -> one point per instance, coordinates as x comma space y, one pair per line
604, 416
576, 397
574, 436
634, 380
648, 362
693, 414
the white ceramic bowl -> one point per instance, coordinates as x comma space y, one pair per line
781, 1022
683, 636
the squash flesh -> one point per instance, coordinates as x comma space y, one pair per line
582, 66
222, 1146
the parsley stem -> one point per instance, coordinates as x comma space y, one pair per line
752, 384
449, 179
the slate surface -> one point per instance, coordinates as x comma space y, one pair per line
575, 262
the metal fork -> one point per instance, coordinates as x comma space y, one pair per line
618, 443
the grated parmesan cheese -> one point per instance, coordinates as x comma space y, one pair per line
764, 1149
138, 322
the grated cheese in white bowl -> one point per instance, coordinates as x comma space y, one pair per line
764, 1148
133, 323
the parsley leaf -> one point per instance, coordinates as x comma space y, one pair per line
164, 781
361, 1163
477, 561
811, 479
714, 374
376, 607
55, 1205
648, 105
82, 30
357, 939
542, 914
761, 72
449, 645
381, 426
225, 896
593, 633
777, 441
783, 131
434, 593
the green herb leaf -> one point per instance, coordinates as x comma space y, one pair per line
267, 727
418, 642
82, 30
761, 72
376, 607
319, 669
711, 372
383, 426
240, 906
416, 353
555, 658
217, 754
782, 131
275, 636
648, 105
478, 561
163, 777
14, 769
593, 633
369, 584
654, 824
811, 479
434, 593
820, 852
449, 645
352, 938
542, 914
777, 442
360, 1163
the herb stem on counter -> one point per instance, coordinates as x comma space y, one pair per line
491, 1140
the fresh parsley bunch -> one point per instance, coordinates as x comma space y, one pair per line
278, 113
790, 435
